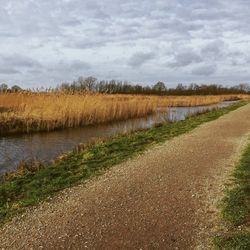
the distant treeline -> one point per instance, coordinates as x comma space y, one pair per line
91, 84
5, 88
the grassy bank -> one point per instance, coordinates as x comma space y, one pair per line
33, 186
32, 112
236, 208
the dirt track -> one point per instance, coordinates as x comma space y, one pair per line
163, 199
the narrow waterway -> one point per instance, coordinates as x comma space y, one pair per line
47, 146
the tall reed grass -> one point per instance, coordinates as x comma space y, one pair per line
26, 112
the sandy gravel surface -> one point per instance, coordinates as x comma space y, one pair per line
163, 199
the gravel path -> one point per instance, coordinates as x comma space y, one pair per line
163, 199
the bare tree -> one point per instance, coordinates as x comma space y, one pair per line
3, 87
16, 88
159, 87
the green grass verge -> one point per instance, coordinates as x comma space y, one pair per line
32, 187
236, 208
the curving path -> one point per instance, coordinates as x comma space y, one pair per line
163, 199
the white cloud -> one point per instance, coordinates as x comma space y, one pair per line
45, 42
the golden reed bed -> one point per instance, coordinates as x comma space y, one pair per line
26, 112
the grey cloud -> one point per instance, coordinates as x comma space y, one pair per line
176, 26
76, 65
205, 70
214, 49
17, 60
80, 65
16, 64
8, 71
85, 43
139, 58
72, 22
185, 58
58, 72
35, 71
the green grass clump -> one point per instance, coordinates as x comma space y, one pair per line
31, 187
237, 241
236, 208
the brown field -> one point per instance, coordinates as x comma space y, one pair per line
26, 112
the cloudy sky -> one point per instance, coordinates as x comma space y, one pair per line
45, 42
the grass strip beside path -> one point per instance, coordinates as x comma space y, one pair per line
236, 208
29, 189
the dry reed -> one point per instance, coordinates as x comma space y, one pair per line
26, 112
